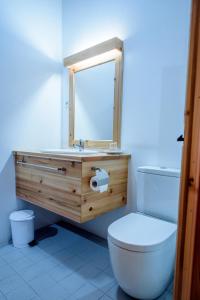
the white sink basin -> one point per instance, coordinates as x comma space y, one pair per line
69, 151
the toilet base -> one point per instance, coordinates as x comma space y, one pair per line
143, 275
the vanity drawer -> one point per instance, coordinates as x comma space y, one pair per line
50, 183
50, 165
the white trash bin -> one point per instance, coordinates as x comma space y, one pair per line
22, 227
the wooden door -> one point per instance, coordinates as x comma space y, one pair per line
187, 283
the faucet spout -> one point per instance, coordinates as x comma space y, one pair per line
80, 145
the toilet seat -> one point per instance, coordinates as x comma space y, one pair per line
141, 233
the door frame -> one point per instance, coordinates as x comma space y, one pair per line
190, 178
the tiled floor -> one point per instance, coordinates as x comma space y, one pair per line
66, 266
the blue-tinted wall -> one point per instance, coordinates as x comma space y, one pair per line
30, 90
155, 35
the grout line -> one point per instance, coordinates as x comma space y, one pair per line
166, 293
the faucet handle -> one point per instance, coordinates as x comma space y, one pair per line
79, 145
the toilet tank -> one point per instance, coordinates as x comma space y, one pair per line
158, 192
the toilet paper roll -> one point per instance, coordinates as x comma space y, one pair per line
99, 183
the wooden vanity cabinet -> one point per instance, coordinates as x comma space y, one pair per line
61, 183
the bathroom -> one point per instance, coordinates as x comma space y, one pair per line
36, 37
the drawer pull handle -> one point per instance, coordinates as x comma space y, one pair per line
52, 169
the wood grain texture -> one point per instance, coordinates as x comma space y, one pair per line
117, 170
118, 84
72, 157
68, 193
118, 100
94, 204
71, 107
114, 43
195, 287
59, 193
187, 284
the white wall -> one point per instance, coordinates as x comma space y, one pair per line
30, 90
155, 35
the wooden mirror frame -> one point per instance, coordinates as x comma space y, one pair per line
110, 50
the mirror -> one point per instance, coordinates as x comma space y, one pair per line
94, 102
95, 90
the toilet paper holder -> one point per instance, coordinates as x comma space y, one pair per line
99, 182
95, 169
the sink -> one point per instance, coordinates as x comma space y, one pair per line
69, 151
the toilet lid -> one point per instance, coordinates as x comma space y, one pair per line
137, 232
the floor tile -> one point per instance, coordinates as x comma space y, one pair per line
79, 246
35, 298
100, 262
64, 267
21, 264
53, 248
116, 293
35, 254
91, 251
63, 255
2, 262
42, 283
109, 270
29, 273
105, 297
45, 243
103, 281
57, 292
101, 258
88, 292
2, 297
6, 271
12, 255
67, 242
21, 293
11, 283
38, 269
74, 263
59, 272
88, 272
72, 283
6, 249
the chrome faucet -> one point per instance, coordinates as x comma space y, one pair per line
80, 145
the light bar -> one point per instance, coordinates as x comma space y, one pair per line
96, 60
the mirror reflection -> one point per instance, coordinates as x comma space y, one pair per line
94, 101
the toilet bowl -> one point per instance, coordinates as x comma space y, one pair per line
142, 251
142, 245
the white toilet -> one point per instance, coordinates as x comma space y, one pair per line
142, 245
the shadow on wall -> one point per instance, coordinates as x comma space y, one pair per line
43, 217
9, 203
26, 89
7, 198
24, 73
24, 69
